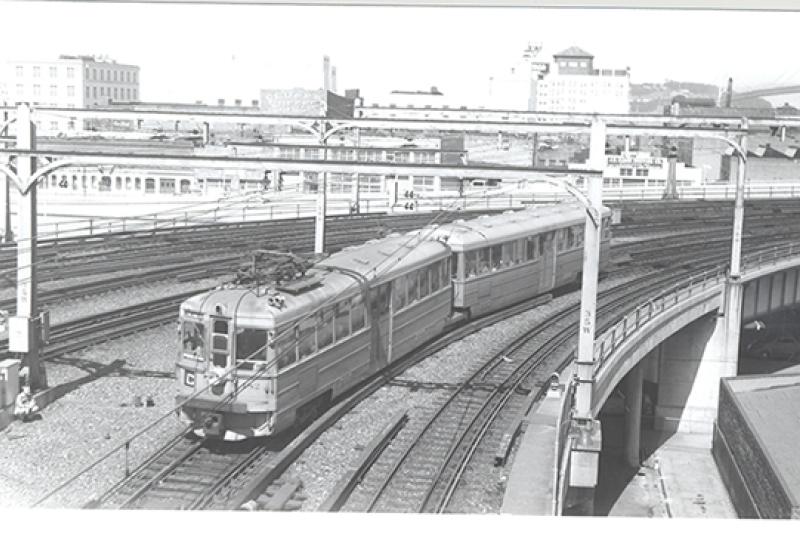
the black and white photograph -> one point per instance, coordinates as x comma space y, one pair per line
395, 261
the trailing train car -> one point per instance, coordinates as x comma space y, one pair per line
257, 358
501, 260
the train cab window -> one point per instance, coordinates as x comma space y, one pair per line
219, 343
341, 320
306, 338
560, 239
357, 321
324, 328
412, 286
578, 236
454, 266
251, 346
193, 338
285, 349
484, 260
471, 264
399, 293
450, 264
606, 228
497, 257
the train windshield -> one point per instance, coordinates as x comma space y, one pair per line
194, 339
251, 345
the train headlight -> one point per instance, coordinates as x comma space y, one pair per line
188, 378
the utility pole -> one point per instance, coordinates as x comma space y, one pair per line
25, 327
738, 208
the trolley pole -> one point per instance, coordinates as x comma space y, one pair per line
586, 431
322, 197
24, 328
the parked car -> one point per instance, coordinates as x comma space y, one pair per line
783, 347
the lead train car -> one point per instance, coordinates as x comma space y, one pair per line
298, 349
254, 361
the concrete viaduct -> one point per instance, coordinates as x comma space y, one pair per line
685, 341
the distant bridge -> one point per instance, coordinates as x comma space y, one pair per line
765, 92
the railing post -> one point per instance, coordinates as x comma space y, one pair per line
91, 226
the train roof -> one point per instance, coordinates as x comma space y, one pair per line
375, 261
488, 230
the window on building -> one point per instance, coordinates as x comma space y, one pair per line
37, 71
311, 153
37, 90
340, 182
102, 74
70, 72
424, 184
128, 93
53, 72
642, 172
424, 157
115, 93
53, 90
20, 71
71, 91
20, 89
115, 78
94, 74
134, 95
626, 171
369, 183
369, 156
53, 125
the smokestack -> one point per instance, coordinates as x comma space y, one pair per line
326, 69
333, 79
729, 94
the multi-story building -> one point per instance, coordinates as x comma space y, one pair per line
574, 85
571, 83
70, 81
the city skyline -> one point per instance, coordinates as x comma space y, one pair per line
247, 48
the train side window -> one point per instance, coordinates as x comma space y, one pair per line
530, 248
285, 349
306, 338
424, 283
471, 263
341, 322
570, 237
435, 276
448, 269
324, 328
357, 313
542, 240
399, 293
560, 239
251, 345
508, 254
413, 287
578, 236
484, 262
497, 257
379, 299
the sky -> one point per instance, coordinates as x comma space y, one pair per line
202, 52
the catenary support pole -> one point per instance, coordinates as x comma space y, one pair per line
322, 197
738, 209
24, 334
5, 197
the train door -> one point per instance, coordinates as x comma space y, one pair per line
380, 325
547, 251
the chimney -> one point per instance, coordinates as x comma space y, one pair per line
333, 79
729, 94
326, 70
237, 102
255, 103
221, 102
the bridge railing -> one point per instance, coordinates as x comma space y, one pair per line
629, 324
